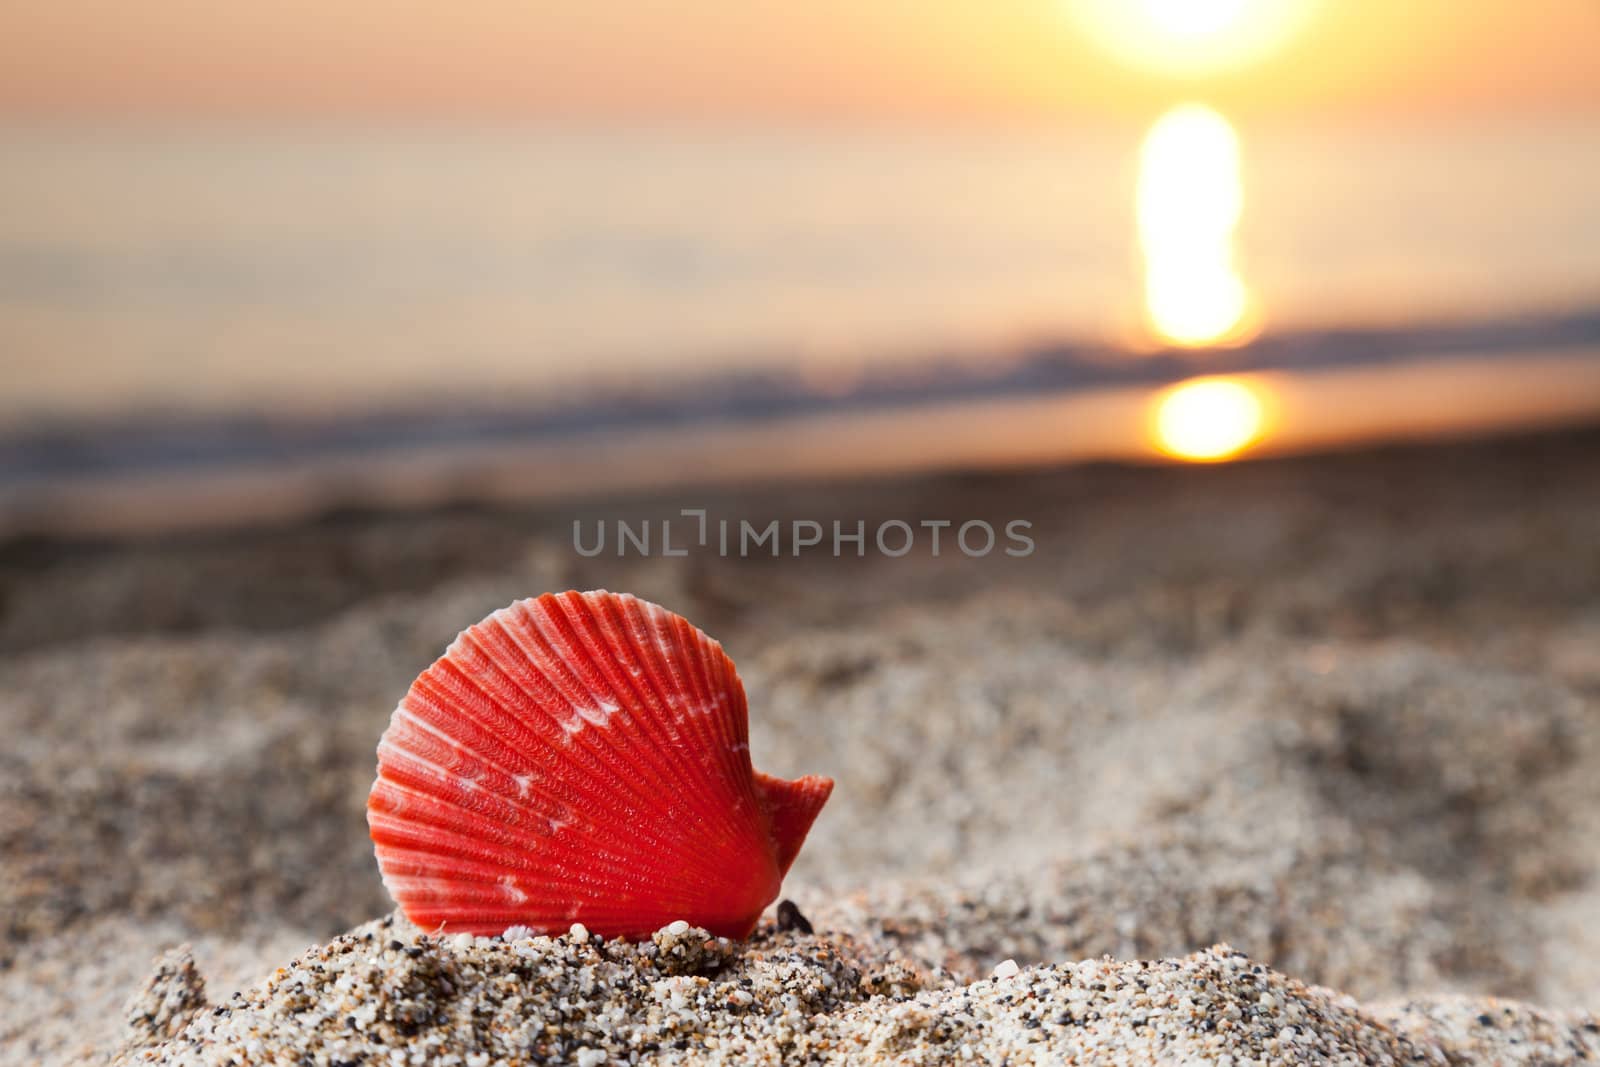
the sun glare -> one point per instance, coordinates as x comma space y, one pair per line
1193, 18
1188, 202
1209, 419
1191, 37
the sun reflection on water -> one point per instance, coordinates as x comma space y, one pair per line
1188, 202
1209, 419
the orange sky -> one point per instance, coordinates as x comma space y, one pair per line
758, 60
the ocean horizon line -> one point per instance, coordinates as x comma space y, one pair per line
132, 444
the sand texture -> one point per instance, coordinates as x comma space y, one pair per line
686, 997
1340, 714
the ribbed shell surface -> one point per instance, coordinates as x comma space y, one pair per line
581, 757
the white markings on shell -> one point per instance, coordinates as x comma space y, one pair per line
402, 713
598, 715
714, 703
400, 799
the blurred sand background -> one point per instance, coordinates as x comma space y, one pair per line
1340, 711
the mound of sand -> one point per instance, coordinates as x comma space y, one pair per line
384, 990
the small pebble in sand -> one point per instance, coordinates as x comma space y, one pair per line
789, 918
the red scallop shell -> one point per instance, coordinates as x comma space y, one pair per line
582, 757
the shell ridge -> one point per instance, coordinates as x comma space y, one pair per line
726, 730
410, 858
503, 838
662, 733
545, 636
561, 655
410, 767
565, 662
415, 858
385, 833
549, 695
604, 742
658, 632
407, 770
594, 758
569, 804
495, 729
530, 838
448, 815
406, 717
586, 620
534, 899
588, 798
611, 619
468, 819
727, 826
524, 710
409, 862
620, 623
722, 728
510, 717
615, 618
599, 896
733, 716
438, 903
464, 907
520, 784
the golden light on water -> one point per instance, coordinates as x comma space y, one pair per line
1188, 202
1191, 37
1209, 419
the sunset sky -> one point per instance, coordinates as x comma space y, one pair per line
823, 60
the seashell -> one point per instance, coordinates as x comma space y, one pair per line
582, 758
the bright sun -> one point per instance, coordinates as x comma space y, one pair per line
1191, 37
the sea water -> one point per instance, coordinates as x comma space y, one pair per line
324, 274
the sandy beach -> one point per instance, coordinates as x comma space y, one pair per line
1288, 761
